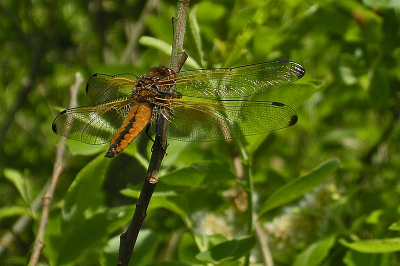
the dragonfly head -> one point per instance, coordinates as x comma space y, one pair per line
165, 79
162, 73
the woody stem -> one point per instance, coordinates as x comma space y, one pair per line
178, 57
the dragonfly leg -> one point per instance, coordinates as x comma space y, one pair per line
159, 143
148, 135
147, 132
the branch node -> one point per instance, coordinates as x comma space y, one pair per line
152, 179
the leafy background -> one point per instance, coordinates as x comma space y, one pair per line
325, 192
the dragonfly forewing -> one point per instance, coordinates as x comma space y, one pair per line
92, 124
102, 88
239, 81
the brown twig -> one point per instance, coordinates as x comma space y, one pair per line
263, 243
134, 31
128, 239
58, 169
22, 223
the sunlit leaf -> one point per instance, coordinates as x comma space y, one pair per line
83, 192
354, 258
195, 30
6, 212
16, 178
79, 148
297, 187
316, 252
165, 48
374, 245
89, 231
229, 250
196, 174
395, 226
187, 250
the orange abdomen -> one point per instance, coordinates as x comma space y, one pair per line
138, 118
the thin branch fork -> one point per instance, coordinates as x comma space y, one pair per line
178, 58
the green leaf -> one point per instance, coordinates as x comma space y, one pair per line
195, 30
209, 11
145, 248
7, 212
379, 90
89, 231
229, 250
354, 258
237, 49
378, 4
135, 193
19, 182
165, 48
297, 187
316, 252
177, 205
167, 263
83, 192
158, 44
188, 249
374, 246
156, 26
349, 69
143, 253
196, 174
80, 148
184, 177
395, 226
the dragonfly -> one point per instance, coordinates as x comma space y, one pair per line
200, 105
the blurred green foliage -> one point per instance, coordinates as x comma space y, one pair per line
308, 209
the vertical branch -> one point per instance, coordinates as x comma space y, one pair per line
249, 188
58, 169
135, 31
178, 57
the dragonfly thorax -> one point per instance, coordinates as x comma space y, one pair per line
165, 79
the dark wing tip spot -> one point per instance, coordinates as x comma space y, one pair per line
87, 84
87, 87
283, 61
277, 104
54, 128
293, 120
300, 71
297, 69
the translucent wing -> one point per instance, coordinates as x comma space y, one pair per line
92, 124
103, 88
239, 81
216, 120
